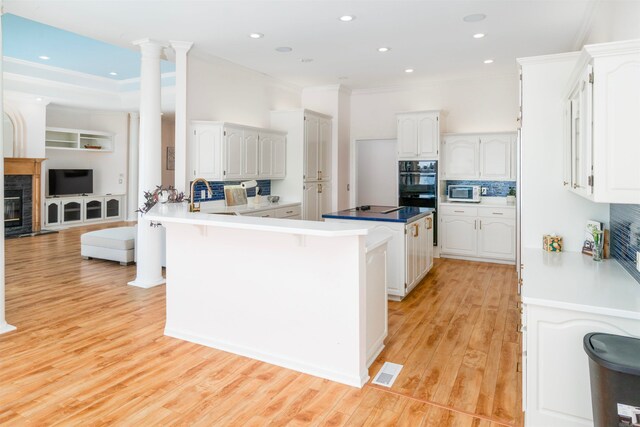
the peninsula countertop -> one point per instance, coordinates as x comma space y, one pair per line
573, 281
403, 214
179, 213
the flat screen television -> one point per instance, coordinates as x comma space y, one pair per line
70, 181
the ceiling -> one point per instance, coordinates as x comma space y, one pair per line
429, 36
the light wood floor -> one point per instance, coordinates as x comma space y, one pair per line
90, 350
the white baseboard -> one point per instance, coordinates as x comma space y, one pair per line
490, 260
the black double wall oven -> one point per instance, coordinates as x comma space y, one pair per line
418, 181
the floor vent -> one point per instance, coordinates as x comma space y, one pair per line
387, 374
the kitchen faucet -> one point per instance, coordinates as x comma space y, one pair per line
192, 206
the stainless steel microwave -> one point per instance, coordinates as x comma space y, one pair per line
464, 193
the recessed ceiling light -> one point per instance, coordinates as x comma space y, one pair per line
488, 61
476, 17
306, 60
284, 49
113, 73
39, 99
409, 70
44, 57
256, 35
478, 35
384, 49
347, 18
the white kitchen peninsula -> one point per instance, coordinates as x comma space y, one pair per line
309, 296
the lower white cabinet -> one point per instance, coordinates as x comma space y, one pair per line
555, 368
316, 200
79, 210
409, 252
479, 233
288, 212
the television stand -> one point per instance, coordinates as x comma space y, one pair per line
65, 211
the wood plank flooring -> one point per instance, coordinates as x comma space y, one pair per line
90, 350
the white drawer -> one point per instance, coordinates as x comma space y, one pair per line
497, 212
269, 213
459, 210
287, 212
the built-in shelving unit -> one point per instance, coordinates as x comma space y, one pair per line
76, 139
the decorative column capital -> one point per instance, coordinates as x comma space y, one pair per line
180, 46
150, 47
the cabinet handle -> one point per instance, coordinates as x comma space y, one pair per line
475, 224
416, 232
319, 188
575, 186
459, 211
480, 221
497, 213
289, 212
565, 183
319, 174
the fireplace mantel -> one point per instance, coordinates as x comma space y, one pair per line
32, 167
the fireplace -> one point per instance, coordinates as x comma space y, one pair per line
22, 187
12, 209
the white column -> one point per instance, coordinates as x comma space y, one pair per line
132, 188
148, 244
181, 49
4, 326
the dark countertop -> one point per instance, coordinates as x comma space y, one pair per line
405, 214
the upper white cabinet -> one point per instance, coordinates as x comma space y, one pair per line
602, 107
479, 156
418, 135
224, 151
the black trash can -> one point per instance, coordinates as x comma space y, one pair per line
614, 367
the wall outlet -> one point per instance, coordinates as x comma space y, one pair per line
638, 261
203, 194
483, 190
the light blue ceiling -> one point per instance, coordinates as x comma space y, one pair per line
27, 40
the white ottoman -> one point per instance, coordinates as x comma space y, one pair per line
114, 244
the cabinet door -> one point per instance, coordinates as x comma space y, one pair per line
93, 209
497, 238
458, 235
422, 252
461, 157
428, 125
567, 163
278, 157
250, 151
234, 139
412, 254
581, 137
72, 211
429, 242
311, 147
407, 137
324, 150
206, 159
495, 157
310, 203
325, 200
52, 212
112, 207
265, 155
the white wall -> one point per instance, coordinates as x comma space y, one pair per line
108, 167
614, 21
479, 105
547, 207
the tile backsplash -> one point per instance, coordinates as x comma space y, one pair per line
494, 188
218, 189
625, 236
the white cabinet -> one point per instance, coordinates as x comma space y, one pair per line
410, 252
418, 135
482, 233
224, 151
602, 107
553, 350
79, 210
479, 156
